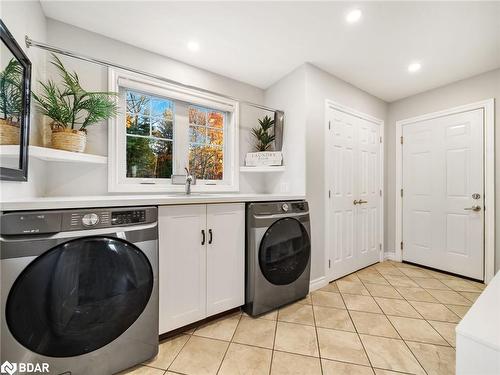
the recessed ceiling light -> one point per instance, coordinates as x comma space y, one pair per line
414, 67
193, 46
353, 16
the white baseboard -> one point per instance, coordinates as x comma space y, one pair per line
390, 256
318, 283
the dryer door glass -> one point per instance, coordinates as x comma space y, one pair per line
284, 251
79, 296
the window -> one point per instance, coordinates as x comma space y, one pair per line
206, 141
162, 129
150, 135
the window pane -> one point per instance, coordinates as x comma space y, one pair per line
138, 103
162, 128
206, 162
216, 120
215, 137
197, 134
149, 158
162, 108
137, 124
197, 116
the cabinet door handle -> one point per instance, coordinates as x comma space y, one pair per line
203, 236
211, 236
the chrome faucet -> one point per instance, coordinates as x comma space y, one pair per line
189, 180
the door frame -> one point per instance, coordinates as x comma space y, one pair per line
330, 104
488, 106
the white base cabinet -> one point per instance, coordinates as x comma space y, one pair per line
201, 262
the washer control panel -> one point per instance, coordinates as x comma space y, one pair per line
128, 217
278, 208
53, 221
108, 217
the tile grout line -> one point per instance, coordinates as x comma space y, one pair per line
317, 336
179, 352
229, 344
274, 340
357, 333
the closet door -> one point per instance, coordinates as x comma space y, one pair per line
340, 162
353, 179
368, 193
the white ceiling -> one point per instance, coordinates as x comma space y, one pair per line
260, 42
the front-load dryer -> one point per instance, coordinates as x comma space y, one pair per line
278, 255
79, 289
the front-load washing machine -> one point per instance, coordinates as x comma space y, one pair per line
79, 289
278, 255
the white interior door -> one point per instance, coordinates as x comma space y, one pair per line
368, 177
353, 172
443, 193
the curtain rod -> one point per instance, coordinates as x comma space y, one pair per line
32, 43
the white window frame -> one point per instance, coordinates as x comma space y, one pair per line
117, 180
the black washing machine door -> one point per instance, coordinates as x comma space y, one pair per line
79, 296
284, 251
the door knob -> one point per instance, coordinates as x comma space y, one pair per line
473, 208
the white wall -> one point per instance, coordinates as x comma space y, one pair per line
27, 18
484, 86
321, 86
289, 95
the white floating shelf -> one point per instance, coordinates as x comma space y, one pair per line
51, 154
263, 169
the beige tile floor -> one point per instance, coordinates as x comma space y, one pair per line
389, 318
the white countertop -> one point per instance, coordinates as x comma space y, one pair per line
52, 203
482, 321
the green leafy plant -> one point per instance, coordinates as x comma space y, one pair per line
11, 97
264, 138
70, 106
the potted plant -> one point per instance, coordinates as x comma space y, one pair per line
72, 109
11, 102
264, 140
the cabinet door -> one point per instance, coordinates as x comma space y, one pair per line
182, 265
225, 257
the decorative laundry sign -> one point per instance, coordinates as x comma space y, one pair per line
264, 158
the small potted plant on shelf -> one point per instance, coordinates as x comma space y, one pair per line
72, 109
264, 140
11, 102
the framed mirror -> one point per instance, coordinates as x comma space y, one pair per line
15, 91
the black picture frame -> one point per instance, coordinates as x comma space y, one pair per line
21, 173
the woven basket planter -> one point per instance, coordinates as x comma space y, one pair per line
9, 134
69, 140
